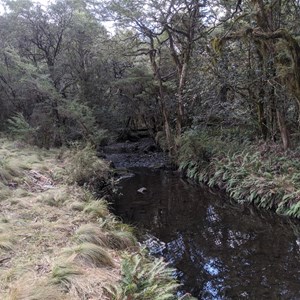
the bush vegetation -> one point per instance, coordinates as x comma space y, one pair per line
262, 174
145, 279
86, 169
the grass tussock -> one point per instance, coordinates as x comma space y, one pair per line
54, 198
115, 237
85, 167
5, 192
96, 209
86, 196
35, 291
90, 254
122, 239
63, 275
111, 223
92, 233
77, 206
9, 170
7, 240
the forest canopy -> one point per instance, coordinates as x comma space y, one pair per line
168, 66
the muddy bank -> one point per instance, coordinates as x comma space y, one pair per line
143, 153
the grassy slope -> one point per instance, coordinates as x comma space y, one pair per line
42, 254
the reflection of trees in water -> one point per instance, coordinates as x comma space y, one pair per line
221, 251
229, 254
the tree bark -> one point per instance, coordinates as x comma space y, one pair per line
283, 130
158, 77
180, 104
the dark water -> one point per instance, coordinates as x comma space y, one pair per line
221, 250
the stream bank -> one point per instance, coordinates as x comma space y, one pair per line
220, 250
59, 241
258, 173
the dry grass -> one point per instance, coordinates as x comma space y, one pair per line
91, 233
35, 290
6, 238
120, 239
6, 242
96, 209
91, 254
41, 217
64, 273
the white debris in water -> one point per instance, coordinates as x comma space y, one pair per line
142, 190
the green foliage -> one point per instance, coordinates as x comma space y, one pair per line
144, 279
161, 140
194, 152
19, 128
294, 210
85, 168
217, 45
81, 122
267, 178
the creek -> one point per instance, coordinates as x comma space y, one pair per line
221, 250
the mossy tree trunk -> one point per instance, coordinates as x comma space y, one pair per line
265, 36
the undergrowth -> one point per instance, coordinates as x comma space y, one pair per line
145, 278
261, 174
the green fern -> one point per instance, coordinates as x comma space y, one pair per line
145, 279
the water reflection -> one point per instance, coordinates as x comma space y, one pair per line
221, 251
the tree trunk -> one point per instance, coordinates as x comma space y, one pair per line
283, 130
157, 76
262, 119
180, 104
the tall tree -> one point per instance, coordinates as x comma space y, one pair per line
161, 29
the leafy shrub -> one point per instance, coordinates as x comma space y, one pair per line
19, 128
80, 123
194, 148
161, 140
